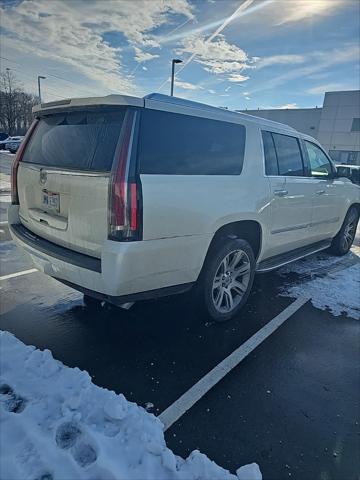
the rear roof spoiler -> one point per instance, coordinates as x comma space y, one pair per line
157, 101
120, 100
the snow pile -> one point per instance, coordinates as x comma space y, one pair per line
336, 290
56, 424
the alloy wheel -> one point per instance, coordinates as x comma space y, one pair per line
231, 281
349, 233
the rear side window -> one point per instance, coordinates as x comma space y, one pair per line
287, 152
289, 155
175, 144
271, 165
76, 140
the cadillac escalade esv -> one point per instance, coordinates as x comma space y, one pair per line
128, 198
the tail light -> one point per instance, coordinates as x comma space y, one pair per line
125, 199
17, 160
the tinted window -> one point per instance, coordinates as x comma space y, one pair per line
79, 140
185, 145
271, 165
288, 155
319, 163
3, 136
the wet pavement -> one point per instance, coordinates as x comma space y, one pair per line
292, 405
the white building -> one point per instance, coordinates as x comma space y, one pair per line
336, 125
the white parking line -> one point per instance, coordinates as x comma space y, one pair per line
18, 274
5, 222
197, 391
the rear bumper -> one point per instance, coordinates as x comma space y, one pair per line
133, 297
124, 269
22, 234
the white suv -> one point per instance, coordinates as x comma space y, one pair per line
129, 198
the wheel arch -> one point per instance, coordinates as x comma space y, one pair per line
356, 205
249, 230
347, 209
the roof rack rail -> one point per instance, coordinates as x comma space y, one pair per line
159, 97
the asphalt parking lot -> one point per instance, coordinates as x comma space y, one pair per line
292, 405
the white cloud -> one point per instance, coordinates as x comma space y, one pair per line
214, 54
71, 34
187, 85
223, 66
280, 60
218, 57
212, 51
288, 106
237, 78
227, 88
211, 91
141, 56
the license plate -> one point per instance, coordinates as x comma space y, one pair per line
51, 201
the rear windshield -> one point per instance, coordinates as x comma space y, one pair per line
76, 140
174, 144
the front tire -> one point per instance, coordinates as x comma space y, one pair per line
341, 244
226, 279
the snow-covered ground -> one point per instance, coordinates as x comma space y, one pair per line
332, 287
56, 424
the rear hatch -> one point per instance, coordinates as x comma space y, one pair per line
63, 176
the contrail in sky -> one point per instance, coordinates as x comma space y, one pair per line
243, 9
226, 22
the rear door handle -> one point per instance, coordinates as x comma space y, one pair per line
280, 193
320, 192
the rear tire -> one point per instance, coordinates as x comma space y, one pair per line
92, 303
225, 282
341, 244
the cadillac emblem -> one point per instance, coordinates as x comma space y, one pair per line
43, 176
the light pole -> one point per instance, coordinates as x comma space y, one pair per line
174, 60
40, 78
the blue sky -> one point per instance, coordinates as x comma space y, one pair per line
236, 53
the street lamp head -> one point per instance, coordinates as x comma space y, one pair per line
40, 76
173, 61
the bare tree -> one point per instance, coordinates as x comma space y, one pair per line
15, 105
